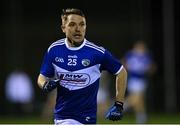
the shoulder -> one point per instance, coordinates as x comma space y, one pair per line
95, 47
57, 43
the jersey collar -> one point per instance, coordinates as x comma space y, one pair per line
74, 48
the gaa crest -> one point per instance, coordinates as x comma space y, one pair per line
85, 62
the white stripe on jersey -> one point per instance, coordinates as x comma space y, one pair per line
78, 79
94, 47
119, 70
59, 42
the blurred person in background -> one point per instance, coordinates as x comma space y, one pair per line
19, 92
140, 65
73, 65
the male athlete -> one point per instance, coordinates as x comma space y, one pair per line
73, 65
140, 65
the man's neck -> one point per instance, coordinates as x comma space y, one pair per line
73, 44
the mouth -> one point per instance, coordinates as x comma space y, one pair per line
77, 36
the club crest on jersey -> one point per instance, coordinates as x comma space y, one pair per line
85, 62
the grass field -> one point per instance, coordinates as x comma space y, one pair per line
154, 118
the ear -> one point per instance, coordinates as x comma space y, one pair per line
63, 28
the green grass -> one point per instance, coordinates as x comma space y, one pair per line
154, 118
23, 120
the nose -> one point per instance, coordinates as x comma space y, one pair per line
77, 28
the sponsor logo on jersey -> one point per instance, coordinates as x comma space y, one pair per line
85, 62
74, 79
72, 56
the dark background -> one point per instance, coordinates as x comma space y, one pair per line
27, 28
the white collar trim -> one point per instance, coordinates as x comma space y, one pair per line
74, 48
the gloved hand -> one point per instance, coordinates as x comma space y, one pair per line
115, 112
50, 85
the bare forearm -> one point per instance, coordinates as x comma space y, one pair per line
41, 80
121, 82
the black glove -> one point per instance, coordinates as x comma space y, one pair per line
50, 85
115, 112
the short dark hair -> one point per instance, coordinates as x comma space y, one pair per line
68, 11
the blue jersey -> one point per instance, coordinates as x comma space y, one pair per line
138, 64
79, 70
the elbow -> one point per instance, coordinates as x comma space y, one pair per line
123, 71
39, 82
123, 74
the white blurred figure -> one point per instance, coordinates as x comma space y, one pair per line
140, 65
19, 92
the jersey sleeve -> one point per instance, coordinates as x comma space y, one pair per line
110, 63
47, 68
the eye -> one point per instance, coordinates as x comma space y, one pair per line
82, 24
72, 24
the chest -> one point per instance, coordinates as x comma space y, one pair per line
138, 63
75, 60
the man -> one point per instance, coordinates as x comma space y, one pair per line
139, 64
73, 65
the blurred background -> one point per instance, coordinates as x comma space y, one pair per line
28, 27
